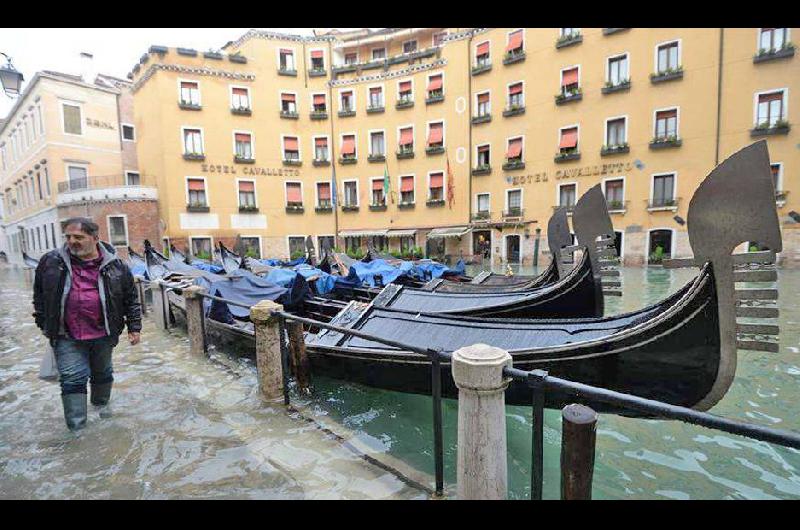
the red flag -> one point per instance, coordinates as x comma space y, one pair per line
450, 185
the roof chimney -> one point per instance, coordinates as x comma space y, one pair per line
88, 73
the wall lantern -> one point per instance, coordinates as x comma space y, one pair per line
10, 78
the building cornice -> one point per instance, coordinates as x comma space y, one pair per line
193, 70
390, 75
269, 35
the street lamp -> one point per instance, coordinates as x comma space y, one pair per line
10, 78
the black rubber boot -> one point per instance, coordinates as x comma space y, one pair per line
74, 410
101, 394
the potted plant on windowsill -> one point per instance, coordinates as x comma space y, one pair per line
242, 111
349, 208
765, 129
289, 114
405, 205
615, 149
318, 115
482, 169
514, 110
575, 94
377, 207
434, 149
376, 158
197, 207
622, 85
569, 40
404, 103
240, 159
202, 254
567, 155
321, 162
317, 72
435, 96
346, 113
481, 118
763, 55
513, 163
292, 162
286, 71
667, 75
248, 209
187, 105
194, 156
514, 56
347, 160
615, 206
294, 207
435, 202
661, 142
375, 109
323, 208
405, 152
481, 68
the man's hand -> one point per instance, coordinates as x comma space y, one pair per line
134, 337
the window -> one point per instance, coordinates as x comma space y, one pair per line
190, 93
483, 202
569, 32
324, 242
482, 54
192, 142
286, 58
128, 133
570, 84
252, 247
770, 109
772, 39
378, 53
484, 106
291, 149
438, 38
776, 176
240, 98
407, 189
436, 86
666, 125
617, 70
375, 97
616, 134
615, 193
288, 103
663, 190
324, 195
39, 119
317, 60
515, 100
347, 101
197, 192
349, 146
351, 58
407, 140
515, 44
436, 191
407, 243
321, 149
243, 146
39, 185
436, 134
319, 103
376, 144
72, 119
667, 58
566, 195
118, 230
247, 193
483, 156
381, 243
201, 247
409, 46
569, 140
78, 177
351, 193
514, 153
352, 243
514, 200
405, 92
132, 178
378, 197
294, 194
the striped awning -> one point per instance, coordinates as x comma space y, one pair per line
362, 233
402, 233
455, 231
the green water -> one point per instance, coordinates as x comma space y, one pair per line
635, 459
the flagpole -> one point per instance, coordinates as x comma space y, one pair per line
331, 144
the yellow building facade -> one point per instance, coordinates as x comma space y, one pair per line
481, 132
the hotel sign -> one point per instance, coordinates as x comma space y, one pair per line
587, 171
227, 169
99, 124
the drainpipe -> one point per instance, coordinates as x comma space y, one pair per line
719, 92
469, 144
331, 144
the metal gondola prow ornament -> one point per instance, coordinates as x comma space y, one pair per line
735, 204
558, 237
311, 254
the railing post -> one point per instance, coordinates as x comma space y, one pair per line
578, 432
300, 363
268, 349
194, 319
160, 306
482, 471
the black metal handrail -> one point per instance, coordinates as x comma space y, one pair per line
540, 382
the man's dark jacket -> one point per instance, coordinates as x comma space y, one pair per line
118, 295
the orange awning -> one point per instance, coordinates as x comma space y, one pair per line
405, 86
483, 48
348, 145
239, 91
319, 99
514, 41
242, 137
437, 180
290, 143
321, 142
316, 54
435, 83
569, 77
196, 185
515, 89
287, 97
569, 138
324, 191
665, 114
246, 185
407, 184
483, 98
514, 148
377, 184
293, 193
435, 134
406, 136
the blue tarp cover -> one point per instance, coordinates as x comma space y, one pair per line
203, 266
279, 263
240, 286
365, 273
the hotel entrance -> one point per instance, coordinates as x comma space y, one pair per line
512, 249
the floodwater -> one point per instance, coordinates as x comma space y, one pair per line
189, 428
182, 428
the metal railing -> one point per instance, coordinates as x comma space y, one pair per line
540, 383
104, 181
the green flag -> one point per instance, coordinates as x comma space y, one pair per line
386, 186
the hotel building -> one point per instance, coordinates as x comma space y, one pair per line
482, 133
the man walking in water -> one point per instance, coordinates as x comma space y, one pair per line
83, 297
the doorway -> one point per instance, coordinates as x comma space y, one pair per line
482, 244
512, 249
434, 248
660, 246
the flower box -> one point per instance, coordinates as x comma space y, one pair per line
375, 110
434, 98
404, 104
194, 156
434, 150
189, 106
569, 40
608, 150
241, 160
346, 113
481, 170
294, 208
248, 209
616, 206
611, 31
347, 161
289, 115
668, 75
769, 55
481, 216
481, 68
349, 208
376, 158
321, 72
290, 73
665, 143
563, 99
513, 111
197, 208
318, 115
406, 153
514, 57
566, 157
320, 163
324, 209
188, 52
343, 69
486, 118
213, 55
405, 205
377, 207
619, 87
292, 162
241, 111
434, 202
513, 164
763, 129
236, 58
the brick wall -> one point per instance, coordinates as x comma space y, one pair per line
143, 220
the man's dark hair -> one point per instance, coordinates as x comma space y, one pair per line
87, 226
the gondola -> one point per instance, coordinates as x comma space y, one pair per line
29, 262
682, 350
177, 255
230, 260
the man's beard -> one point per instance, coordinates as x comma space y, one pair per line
80, 253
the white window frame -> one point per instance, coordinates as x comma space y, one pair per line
609, 179
199, 91
400, 185
311, 100
785, 103
345, 53
344, 193
299, 147
605, 129
289, 247
296, 100
490, 101
413, 135
508, 38
672, 238
428, 82
562, 34
205, 189
61, 104
319, 243
128, 172
490, 151
383, 94
416, 48
508, 142
478, 201
314, 145
561, 76
625, 54
370, 132
674, 186
355, 142
658, 45
122, 132
433, 37
487, 41
428, 188
352, 90
372, 54
677, 110
249, 95
255, 191
558, 192
202, 138
786, 38
385, 197
316, 191
521, 198
278, 56
508, 90
780, 175
324, 58
428, 131
260, 242
573, 126
403, 80
68, 165
252, 141
286, 191
125, 224
192, 238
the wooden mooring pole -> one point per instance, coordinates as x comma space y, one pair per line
578, 434
300, 363
194, 319
268, 349
160, 305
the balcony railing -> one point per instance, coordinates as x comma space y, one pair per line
569, 207
763, 55
617, 206
481, 216
513, 213
569, 40
661, 203
104, 181
667, 75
